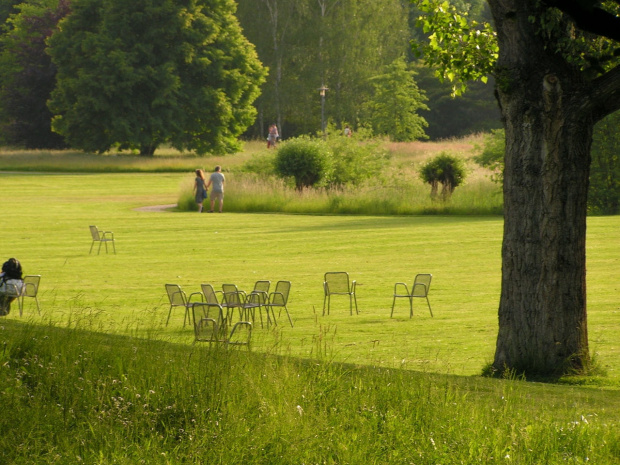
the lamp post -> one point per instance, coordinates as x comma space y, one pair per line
322, 91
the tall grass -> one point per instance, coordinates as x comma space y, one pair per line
247, 192
72, 396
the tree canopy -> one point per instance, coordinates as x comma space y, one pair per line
27, 75
143, 73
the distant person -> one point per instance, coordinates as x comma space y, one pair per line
217, 191
200, 189
272, 136
11, 284
347, 131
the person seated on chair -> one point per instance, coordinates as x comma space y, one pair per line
11, 284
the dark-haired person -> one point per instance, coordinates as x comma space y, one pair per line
200, 189
217, 192
11, 284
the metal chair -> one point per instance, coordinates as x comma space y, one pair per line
257, 299
211, 297
338, 283
279, 299
210, 325
103, 237
30, 289
234, 299
420, 289
178, 298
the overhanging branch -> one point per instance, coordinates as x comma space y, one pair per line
589, 17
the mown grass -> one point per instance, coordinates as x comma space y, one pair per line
99, 378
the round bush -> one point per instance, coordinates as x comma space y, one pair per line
308, 161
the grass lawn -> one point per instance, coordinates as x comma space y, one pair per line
99, 378
46, 227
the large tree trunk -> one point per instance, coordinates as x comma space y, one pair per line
542, 312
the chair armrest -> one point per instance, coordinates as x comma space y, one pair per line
272, 295
325, 287
189, 300
264, 296
104, 233
353, 284
398, 286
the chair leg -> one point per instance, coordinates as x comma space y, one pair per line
393, 303
99, 249
429, 307
355, 300
410, 307
288, 315
114, 247
169, 313
91, 248
273, 313
324, 300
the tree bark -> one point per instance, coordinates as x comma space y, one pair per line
549, 125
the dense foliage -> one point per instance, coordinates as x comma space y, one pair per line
394, 105
143, 73
308, 161
444, 169
27, 76
604, 190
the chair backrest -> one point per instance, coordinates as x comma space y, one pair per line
208, 322
232, 296
95, 233
176, 294
421, 285
280, 295
31, 285
262, 286
337, 282
209, 293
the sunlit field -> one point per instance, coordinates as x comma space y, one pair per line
100, 365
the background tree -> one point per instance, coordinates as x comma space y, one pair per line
147, 72
444, 169
27, 75
604, 191
393, 109
339, 43
556, 76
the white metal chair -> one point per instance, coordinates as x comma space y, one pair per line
103, 237
420, 289
338, 283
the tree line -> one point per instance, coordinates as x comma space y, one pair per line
197, 75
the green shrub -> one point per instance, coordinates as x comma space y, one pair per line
492, 155
308, 161
444, 169
354, 160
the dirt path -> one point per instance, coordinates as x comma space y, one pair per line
156, 208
